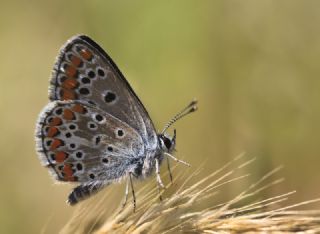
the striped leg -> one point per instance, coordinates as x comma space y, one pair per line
133, 194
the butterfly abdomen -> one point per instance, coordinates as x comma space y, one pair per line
84, 191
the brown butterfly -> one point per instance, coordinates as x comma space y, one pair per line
95, 131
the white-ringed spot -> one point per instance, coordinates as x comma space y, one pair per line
79, 166
92, 176
101, 72
105, 160
91, 74
110, 148
99, 118
72, 146
84, 91
78, 155
92, 125
61, 78
72, 127
109, 97
119, 132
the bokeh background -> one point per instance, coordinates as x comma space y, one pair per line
253, 65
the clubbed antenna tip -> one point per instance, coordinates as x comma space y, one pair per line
192, 107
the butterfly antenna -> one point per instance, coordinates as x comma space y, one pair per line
192, 107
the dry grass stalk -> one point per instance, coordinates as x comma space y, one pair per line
180, 213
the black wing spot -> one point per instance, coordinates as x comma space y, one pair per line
120, 132
48, 142
79, 166
53, 157
99, 118
97, 139
72, 127
110, 148
109, 97
105, 160
58, 111
79, 154
62, 79
85, 80
84, 91
91, 74
60, 167
101, 72
49, 120
92, 125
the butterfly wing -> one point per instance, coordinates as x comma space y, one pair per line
83, 71
79, 142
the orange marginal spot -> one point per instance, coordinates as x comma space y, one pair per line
70, 83
55, 144
86, 54
53, 131
68, 114
79, 108
55, 121
71, 71
67, 169
76, 61
68, 94
60, 156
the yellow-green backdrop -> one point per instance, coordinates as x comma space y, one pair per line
253, 66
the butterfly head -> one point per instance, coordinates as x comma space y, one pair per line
167, 143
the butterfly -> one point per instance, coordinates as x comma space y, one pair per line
95, 131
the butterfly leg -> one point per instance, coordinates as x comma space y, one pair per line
158, 174
177, 160
159, 192
126, 194
160, 184
169, 169
133, 194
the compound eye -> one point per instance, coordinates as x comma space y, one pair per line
167, 142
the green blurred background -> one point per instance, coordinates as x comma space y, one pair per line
253, 65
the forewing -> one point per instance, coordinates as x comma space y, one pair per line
83, 71
79, 142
